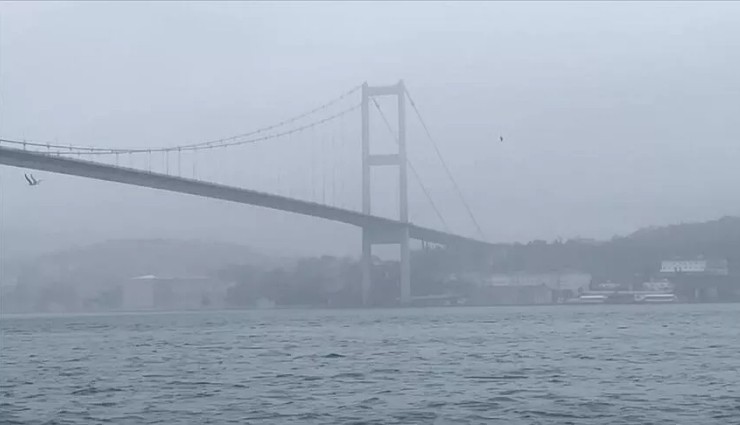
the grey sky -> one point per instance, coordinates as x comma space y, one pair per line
615, 115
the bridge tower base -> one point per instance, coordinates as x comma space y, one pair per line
371, 236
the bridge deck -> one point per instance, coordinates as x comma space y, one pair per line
95, 170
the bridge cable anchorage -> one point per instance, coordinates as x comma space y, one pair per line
90, 150
411, 167
111, 151
446, 168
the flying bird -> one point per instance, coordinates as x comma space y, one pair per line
501, 138
32, 181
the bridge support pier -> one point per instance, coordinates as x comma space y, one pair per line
366, 263
399, 160
375, 236
405, 267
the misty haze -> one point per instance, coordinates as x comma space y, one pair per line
388, 213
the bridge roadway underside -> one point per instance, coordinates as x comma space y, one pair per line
381, 230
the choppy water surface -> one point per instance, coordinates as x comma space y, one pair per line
579, 365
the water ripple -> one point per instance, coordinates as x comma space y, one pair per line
616, 365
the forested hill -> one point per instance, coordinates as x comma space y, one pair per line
112, 261
634, 256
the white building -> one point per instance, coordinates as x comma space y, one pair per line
173, 293
697, 266
138, 293
557, 281
530, 288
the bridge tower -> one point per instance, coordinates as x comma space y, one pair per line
372, 236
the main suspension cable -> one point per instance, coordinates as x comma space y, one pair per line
411, 167
227, 141
102, 151
446, 168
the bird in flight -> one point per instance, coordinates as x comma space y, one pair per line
32, 181
501, 138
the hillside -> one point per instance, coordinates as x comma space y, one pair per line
111, 261
630, 257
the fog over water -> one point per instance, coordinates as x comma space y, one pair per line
557, 125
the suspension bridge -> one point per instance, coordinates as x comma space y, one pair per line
220, 169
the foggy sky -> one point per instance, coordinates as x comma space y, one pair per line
615, 115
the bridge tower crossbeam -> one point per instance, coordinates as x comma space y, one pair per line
372, 236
